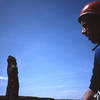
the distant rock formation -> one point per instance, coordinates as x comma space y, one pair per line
13, 82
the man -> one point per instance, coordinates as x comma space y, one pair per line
90, 21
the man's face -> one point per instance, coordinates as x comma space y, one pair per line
91, 28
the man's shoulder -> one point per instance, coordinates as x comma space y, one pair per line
98, 49
97, 55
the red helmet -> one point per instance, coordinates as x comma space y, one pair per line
91, 8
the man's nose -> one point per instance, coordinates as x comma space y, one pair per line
84, 31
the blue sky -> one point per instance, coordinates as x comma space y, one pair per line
54, 59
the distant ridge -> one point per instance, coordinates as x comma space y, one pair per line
27, 98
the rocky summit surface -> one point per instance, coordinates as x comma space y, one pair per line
27, 98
